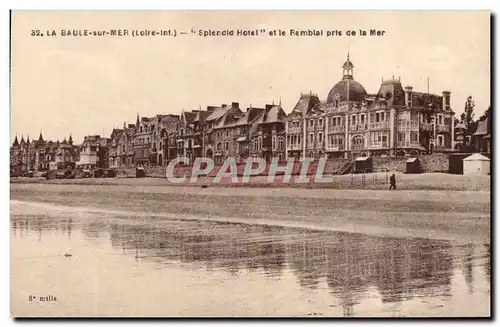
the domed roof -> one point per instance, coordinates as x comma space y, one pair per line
356, 91
347, 89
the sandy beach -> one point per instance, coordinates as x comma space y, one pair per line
459, 216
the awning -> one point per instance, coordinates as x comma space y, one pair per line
361, 159
242, 139
411, 160
487, 136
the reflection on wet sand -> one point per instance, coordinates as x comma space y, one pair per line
351, 265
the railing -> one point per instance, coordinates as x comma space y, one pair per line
311, 145
378, 145
407, 124
379, 125
294, 130
335, 147
426, 126
408, 144
360, 127
443, 128
336, 129
357, 147
294, 146
331, 110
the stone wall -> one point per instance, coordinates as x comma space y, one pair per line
429, 163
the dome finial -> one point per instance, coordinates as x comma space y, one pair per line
347, 55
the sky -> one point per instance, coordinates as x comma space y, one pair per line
90, 85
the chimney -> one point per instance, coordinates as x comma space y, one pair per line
224, 105
131, 125
408, 95
235, 105
446, 100
211, 108
268, 106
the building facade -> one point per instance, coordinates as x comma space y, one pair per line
352, 123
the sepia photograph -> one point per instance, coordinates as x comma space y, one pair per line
250, 164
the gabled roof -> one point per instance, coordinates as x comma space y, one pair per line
201, 116
271, 115
482, 127
250, 115
217, 113
304, 105
189, 116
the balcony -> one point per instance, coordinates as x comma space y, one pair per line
379, 125
294, 146
336, 129
379, 145
332, 110
426, 126
408, 144
443, 128
357, 146
294, 130
335, 147
355, 128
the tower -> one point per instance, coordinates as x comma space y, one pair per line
348, 69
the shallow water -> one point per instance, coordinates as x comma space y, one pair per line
128, 267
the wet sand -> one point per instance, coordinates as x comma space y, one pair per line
142, 266
458, 216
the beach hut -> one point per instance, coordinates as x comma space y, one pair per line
363, 165
139, 172
476, 164
413, 166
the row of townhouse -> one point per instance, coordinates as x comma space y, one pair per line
37, 155
227, 131
349, 123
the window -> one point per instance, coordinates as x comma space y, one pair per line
362, 119
414, 137
401, 136
440, 119
320, 137
226, 146
227, 133
440, 140
311, 123
311, 137
353, 120
377, 117
320, 122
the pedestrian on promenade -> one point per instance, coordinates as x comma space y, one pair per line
393, 182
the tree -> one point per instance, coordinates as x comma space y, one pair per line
468, 115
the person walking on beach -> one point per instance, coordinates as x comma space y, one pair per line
393, 182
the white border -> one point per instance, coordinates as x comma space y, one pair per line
185, 4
